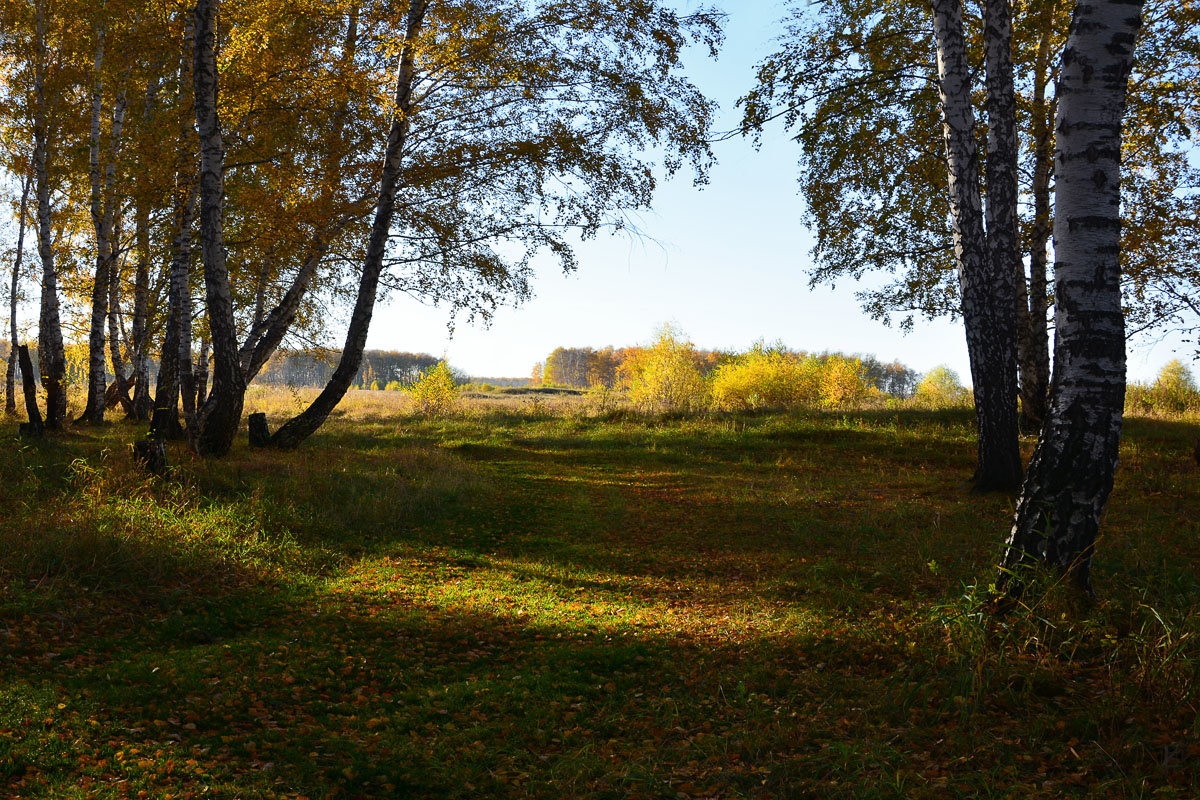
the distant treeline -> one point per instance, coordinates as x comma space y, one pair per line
314, 368
311, 368
583, 367
380, 369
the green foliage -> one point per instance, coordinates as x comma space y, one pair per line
666, 376
941, 388
436, 393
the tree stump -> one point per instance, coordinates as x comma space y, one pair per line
151, 455
260, 434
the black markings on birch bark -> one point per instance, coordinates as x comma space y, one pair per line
986, 271
1072, 470
217, 422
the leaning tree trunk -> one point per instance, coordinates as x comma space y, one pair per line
52, 359
10, 379
1071, 474
304, 424
217, 422
987, 291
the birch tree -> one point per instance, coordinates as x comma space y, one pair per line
52, 359
525, 122
10, 392
103, 205
1072, 470
985, 263
217, 422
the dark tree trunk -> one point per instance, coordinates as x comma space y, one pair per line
218, 421
165, 421
27, 382
201, 374
120, 385
1072, 470
1034, 340
265, 337
142, 404
304, 424
987, 291
10, 380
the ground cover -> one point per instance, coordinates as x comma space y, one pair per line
539, 599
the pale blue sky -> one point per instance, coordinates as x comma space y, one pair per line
728, 265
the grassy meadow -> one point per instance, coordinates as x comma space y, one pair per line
547, 596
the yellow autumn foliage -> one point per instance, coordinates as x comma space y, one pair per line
665, 376
436, 393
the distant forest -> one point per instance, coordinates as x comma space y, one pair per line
314, 368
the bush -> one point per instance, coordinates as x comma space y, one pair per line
765, 378
436, 392
666, 375
844, 381
1173, 392
773, 378
941, 388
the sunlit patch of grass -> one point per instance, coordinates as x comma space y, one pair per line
536, 601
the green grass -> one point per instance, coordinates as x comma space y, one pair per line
523, 602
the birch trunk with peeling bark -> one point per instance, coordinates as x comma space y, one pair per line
52, 359
308, 421
217, 422
1072, 470
985, 274
10, 378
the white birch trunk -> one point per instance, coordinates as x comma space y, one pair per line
987, 296
52, 359
218, 421
1072, 470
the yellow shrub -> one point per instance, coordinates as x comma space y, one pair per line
1174, 392
843, 381
665, 376
436, 392
941, 388
765, 378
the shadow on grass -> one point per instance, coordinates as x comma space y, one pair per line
375, 697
